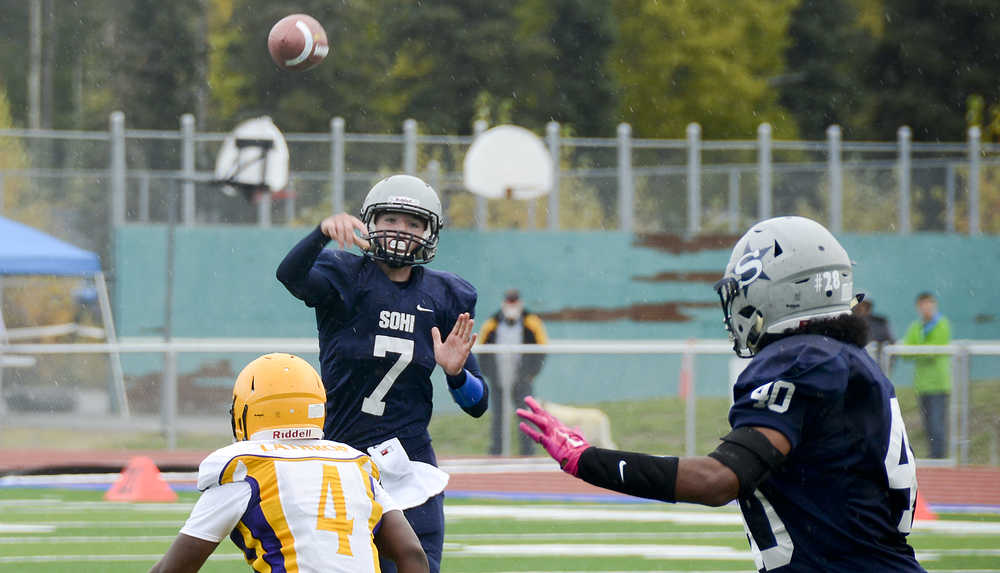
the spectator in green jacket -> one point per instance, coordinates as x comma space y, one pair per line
932, 373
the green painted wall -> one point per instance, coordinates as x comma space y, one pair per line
224, 286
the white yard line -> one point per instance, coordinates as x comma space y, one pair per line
87, 539
648, 551
611, 535
725, 516
26, 528
53, 525
58, 506
567, 513
219, 556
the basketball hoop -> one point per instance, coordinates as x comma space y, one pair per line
508, 162
253, 160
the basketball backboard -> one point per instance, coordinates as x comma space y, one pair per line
508, 161
253, 158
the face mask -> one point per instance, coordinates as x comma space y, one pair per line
511, 312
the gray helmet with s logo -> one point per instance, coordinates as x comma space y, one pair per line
403, 194
782, 273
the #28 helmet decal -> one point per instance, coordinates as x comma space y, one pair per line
782, 273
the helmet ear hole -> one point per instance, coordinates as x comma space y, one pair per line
232, 418
747, 311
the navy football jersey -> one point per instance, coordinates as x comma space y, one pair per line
376, 350
843, 499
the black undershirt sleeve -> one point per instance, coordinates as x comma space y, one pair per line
641, 475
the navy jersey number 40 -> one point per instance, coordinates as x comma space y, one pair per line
762, 521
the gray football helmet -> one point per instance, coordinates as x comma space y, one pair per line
782, 273
402, 194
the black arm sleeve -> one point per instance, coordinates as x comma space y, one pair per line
641, 475
295, 270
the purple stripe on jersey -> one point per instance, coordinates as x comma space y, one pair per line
378, 525
249, 553
261, 530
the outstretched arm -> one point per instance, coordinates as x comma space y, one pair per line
736, 467
395, 539
186, 555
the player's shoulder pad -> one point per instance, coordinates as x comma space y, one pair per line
456, 289
811, 361
211, 468
344, 262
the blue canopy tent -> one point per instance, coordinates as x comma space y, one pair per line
25, 250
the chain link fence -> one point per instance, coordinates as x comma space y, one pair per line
79, 185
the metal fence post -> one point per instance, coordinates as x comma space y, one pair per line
965, 389
434, 180
337, 164
263, 208
764, 171
949, 197
187, 169
117, 167
482, 207
289, 200
144, 197
903, 136
626, 187
690, 402
169, 398
694, 178
410, 146
833, 135
975, 156
552, 135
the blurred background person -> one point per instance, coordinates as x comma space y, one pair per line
932, 373
879, 331
510, 375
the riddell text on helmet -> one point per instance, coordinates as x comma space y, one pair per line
291, 434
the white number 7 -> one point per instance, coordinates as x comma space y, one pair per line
374, 403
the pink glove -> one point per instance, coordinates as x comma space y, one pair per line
563, 444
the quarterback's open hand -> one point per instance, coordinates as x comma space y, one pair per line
452, 353
341, 228
563, 444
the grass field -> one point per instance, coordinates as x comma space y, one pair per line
73, 531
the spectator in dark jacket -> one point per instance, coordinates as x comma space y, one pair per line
879, 331
511, 376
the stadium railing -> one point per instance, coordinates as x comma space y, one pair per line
166, 383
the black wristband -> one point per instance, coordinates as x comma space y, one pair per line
750, 455
457, 380
641, 475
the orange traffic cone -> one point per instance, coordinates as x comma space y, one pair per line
140, 481
923, 512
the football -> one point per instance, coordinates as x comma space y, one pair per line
297, 42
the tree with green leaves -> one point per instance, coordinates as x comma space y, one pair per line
705, 62
931, 57
823, 84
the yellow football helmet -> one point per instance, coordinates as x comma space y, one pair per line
278, 396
